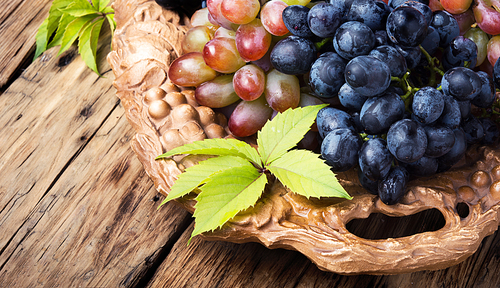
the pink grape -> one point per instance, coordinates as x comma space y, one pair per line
240, 11
190, 70
271, 16
196, 38
487, 18
493, 49
214, 7
221, 55
249, 82
249, 117
465, 20
216, 93
282, 90
253, 40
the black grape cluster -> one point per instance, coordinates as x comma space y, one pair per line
403, 112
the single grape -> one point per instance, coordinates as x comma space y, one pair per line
222, 55
295, 19
440, 140
461, 52
370, 185
340, 149
367, 75
350, 99
249, 117
353, 39
486, 96
461, 83
324, 19
465, 20
446, 25
216, 93
327, 75
393, 59
481, 39
496, 74
406, 26
422, 8
282, 90
379, 113
487, 17
473, 130
373, 13
293, 55
190, 70
214, 7
375, 159
407, 140
427, 105
451, 113
431, 41
195, 39
423, 167
491, 131
249, 82
272, 19
456, 153
200, 18
240, 11
465, 108
493, 49
252, 40
456, 7
329, 119
392, 188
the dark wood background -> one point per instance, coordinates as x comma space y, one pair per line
78, 210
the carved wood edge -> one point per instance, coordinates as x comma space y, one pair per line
147, 40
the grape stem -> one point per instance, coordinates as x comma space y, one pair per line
322, 43
433, 61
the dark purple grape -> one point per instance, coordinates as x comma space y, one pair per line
446, 25
350, 99
406, 26
455, 154
465, 108
368, 75
340, 149
461, 52
473, 130
370, 185
407, 140
428, 105
451, 113
491, 131
375, 159
327, 75
440, 140
324, 19
329, 119
293, 55
496, 74
392, 188
353, 39
392, 58
461, 83
412, 55
373, 13
295, 19
422, 8
431, 41
486, 97
379, 113
381, 37
423, 167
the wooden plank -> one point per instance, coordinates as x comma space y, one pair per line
19, 22
98, 226
219, 264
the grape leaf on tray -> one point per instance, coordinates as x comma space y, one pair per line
235, 180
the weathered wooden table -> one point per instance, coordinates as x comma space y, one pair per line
78, 210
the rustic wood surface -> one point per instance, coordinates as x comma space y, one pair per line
78, 210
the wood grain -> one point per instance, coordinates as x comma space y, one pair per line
19, 22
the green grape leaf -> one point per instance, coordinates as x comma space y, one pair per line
195, 175
49, 26
220, 147
112, 23
107, 10
73, 30
103, 5
79, 8
63, 23
87, 45
315, 181
285, 131
224, 195
96, 4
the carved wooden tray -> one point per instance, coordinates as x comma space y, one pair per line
147, 40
